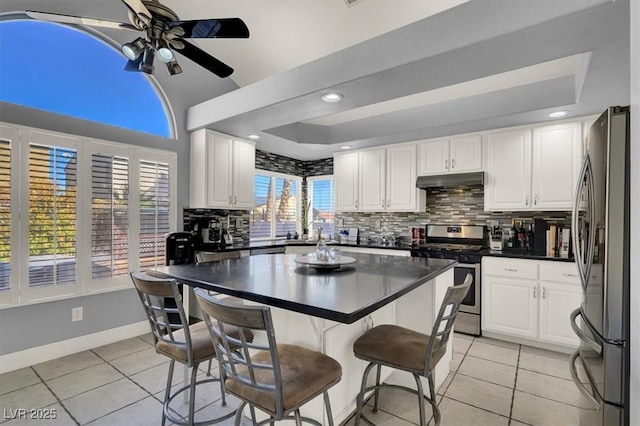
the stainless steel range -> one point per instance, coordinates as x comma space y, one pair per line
463, 243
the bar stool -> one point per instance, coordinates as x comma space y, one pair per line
275, 378
174, 338
407, 350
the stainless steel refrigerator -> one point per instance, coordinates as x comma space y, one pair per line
600, 234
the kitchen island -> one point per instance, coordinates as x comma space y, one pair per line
328, 311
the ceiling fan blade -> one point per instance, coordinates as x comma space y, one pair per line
137, 7
213, 28
205, 60
68, 19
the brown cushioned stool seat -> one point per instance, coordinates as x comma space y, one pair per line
397, 347
305, 373
201, 344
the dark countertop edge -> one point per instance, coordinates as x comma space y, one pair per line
526, 255
327, 314
284, 243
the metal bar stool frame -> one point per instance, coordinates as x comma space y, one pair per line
438, 341
163, 329
219, 313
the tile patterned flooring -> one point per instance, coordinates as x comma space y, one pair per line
491, 383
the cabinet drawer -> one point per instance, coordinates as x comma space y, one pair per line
559, 272
514, 268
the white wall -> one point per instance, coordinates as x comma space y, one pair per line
635, 213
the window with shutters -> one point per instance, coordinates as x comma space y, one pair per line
5, 215
322, 209
109, 216
52, 215
277, 205
94, 210
154, 196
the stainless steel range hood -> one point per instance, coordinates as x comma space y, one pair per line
450, 180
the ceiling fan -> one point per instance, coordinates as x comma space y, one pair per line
163, 34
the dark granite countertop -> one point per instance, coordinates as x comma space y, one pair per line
284, 243
344, 295
523, 254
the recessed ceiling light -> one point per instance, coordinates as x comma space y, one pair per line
345, 147
254, 137
332, 97
558, 114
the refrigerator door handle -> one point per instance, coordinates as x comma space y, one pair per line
577, 249
591, 215
595, 400
581, 334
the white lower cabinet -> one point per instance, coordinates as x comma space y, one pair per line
510, 306
530, 299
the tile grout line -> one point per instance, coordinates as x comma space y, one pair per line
55, 396
515, 382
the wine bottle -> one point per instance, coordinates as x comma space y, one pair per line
530, 238
522, 235
512, 242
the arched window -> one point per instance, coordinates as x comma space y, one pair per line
61, 69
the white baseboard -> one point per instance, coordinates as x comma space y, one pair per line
529, 342
32, 356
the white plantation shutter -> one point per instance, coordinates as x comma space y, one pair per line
320, 193
262, 213
5, 214
154, 212
52, 215
109, 216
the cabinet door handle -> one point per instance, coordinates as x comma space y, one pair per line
535, 292
453, 163
446, 164
526, 200
229, 199
569, 275
383, 203
356, 204
235, 200
544, 292
535, 199
388, 202
511, 269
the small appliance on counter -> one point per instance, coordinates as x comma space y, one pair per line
227, 238
348, 235
495, 243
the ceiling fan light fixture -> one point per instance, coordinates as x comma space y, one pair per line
134, 49
146, 66
174, 67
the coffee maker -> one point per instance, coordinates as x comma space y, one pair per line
210, 231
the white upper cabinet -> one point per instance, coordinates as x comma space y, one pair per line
222, 171
402, 194
508, 177
345, 176
533, 169
454, 155
556, 160
382, 179
372, 177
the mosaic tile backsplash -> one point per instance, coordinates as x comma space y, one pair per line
463, 206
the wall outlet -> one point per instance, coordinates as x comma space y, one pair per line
76, 314
239, 222
377, 224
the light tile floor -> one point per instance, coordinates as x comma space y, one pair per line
491, 383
